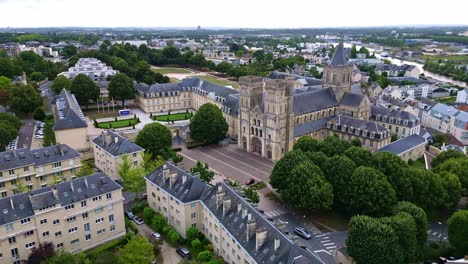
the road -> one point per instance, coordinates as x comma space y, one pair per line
26, 133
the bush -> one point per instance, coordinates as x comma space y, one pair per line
196, 244
110, 246
192, 145
138, 209
192, 233
159, 222
148, 214
39, 114
131, 226
205, 256
173, 236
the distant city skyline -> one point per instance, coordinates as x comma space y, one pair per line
238, 14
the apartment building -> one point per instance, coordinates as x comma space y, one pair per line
70, 126
109, 150
32, 169
399, 123
75, 216
238, 232
91, 67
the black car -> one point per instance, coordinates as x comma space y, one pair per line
300, 231
184, 253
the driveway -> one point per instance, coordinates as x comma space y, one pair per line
26, 133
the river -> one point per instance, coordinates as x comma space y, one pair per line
429, 74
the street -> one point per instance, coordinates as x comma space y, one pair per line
26, 133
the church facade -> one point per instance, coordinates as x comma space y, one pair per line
268, 115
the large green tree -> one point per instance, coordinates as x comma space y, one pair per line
420, 218
306, 144
84, 89
457, 166
393, 167
280, 175
405, 228
370, 241
39, 114
155, 138
458, 231
25, 99
307, 188
60, 82
208, 124
7, 68
318, 158
137, 251
452, 187
333, 145
121, 88
427, 189
446, 155
368, 192
11, 119
360, 156
338, 171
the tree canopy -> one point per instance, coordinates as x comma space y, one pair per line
121, 88
24, 99
205, 173
60, 82
137, 251
446, 155
458, 231
420, 219
279, 178
208, 124
155, 138
84, 89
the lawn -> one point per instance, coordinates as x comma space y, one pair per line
172, 117
118, 124
446, 100
218, 81
418, 164
166, 70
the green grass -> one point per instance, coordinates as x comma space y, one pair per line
446, 100
166, 70
418, 164
101, 115
453, 58
118, 124
172, 117
217, 81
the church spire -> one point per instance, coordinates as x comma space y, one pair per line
339, 58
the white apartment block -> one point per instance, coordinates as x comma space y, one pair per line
91, 67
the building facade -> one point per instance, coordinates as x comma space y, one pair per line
26, 170
91, 67
75, 216
399, 123
110, 149
408, 148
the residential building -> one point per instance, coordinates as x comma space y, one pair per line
70, 126
75, 216
393, 70
32, 169
453, 147
91, 67
110, 149
399, 123
237, 231
439, 117
462, 96
440, 92
408, 148
460, 127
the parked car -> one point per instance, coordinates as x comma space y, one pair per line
129, 215
300, 231
156, 235
38, 136
184, 253
250, 181
138, 220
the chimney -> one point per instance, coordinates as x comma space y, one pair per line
260, 237
219, 196
244, 212
226, 205
184, 178
116, 139
86, 182
251, 226
277, 243
165, 172
11, 203
71, 186
239, 207
172, 178
60, 149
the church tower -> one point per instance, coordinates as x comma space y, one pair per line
337, 75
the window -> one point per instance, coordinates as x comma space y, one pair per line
43, 221
56, 222
25, 220
69, 207
88, 237
2, 185
12, 240
85, 215
74, 241
100, 220
45, 234
102, 231
29, 233
110, 207
194, 215
86, 227
14, 252
27, 178
26, 168
73, 230
13, 182
98, 210
11, 172
59, 233
9, 227
97, 198
30, 245
109, 196
112, 228
111, 218
193, 205
83, 204
59, 245
42, 178
57, 164
4, 194
71, 219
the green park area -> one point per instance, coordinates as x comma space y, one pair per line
166, 70
446, 100
218, 81
173, 117
118, 123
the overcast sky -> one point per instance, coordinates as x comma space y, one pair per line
235, 14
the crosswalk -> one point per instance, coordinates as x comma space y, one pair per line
275, 213
326, 242
435, 235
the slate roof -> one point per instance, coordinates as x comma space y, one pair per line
232, 102
339, 58
115, 144
312, 101
443, 111
66, 193
312, 126
235, 217
396, 114
352, 125
36, 157
404, 144
352, 99
307, 81
69, 112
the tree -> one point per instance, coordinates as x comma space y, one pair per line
307, 188
353, 54
205, 256
196, 244
205, 174
37, 76
356, 142
85, 169
148, 213
368, 192
420, 218
318, 158
154, 138
360, 156
106, 257
458, 231
149, 164
405, 228
338, 171
49, 135
24, 99
280, 174
41, 253
452, 187
84, 89
173, 236
62, 257
192, 233
446, 155
7, 133
208, 124
425, 188
7, 68
393, 167
332, 146
159, 222
39, 114
370, 241
121, 88
68, 51
457, 166
133, 178
11, 119
60, 82
306, 144
137, 251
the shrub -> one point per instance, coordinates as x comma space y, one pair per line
173, 236
138, 209
148, 214
196, 244
159, 222
205, 256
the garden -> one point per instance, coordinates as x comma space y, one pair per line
117, 123
172, 117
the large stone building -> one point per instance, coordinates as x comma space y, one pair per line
75, 216
37, 168
268, 115
237, 231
